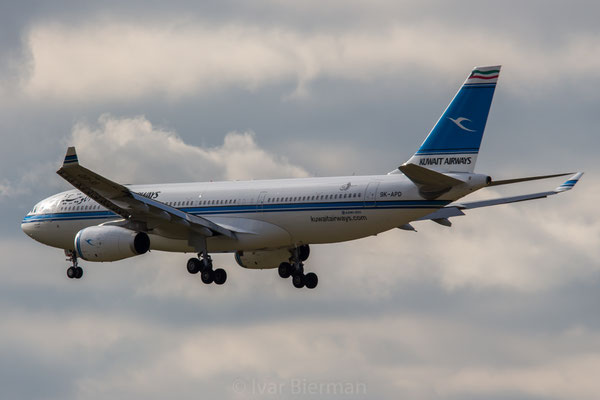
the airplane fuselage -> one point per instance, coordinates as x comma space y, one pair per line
268, 214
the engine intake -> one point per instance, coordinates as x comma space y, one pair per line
110, 243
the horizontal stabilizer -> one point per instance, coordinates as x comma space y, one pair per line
427, 177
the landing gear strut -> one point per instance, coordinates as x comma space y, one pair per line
75, 271
204, 265
295, 269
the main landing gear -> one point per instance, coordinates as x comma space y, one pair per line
75, 271
205, 267
295, 269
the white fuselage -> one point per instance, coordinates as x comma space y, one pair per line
266, 214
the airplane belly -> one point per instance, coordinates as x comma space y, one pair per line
251, 234
329, 226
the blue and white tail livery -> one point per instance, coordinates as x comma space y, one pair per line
453, 143
272, 223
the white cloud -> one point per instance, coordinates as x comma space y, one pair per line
122, 60
5, 188
132, 150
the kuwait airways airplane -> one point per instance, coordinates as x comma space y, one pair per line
271, 223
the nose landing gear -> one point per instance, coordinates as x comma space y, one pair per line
75, 271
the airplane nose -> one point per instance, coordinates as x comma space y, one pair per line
28, 229
25, 228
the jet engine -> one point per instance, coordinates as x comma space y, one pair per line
262, 259
110, 243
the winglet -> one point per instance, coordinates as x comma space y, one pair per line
570, 183
71, 157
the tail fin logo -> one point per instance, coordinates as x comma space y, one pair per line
458, 121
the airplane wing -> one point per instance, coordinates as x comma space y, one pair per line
456, 209
132, 206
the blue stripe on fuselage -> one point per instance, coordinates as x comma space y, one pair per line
237, 209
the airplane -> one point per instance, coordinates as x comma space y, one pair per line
273, 223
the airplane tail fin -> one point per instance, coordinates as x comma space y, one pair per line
453, 143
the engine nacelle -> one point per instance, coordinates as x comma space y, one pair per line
262, 259
110, 243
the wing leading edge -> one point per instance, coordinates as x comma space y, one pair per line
134, 207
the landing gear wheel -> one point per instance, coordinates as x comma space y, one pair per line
207, 276
219, 276
74, 271
311, 280
205, 264
194, 265
285, 270
303, 252
297, 269
298, 281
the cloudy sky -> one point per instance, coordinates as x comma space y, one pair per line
502, 305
